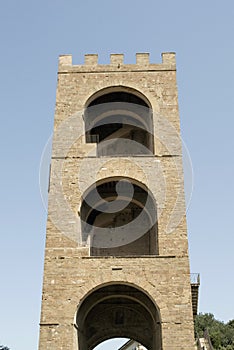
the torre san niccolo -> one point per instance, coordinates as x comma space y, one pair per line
116, 256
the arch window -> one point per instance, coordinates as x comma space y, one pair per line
120, 122
118, 217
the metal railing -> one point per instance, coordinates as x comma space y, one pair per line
195, 278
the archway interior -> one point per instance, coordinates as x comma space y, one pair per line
118, 311
119, 219
120, 123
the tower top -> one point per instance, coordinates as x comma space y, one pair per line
117, 63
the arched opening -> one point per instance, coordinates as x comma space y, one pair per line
119, 218
118, 311
120, 344
120, 122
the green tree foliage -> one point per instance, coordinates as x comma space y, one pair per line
221, 334
2, 347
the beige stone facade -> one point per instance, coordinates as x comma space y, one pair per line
137, 287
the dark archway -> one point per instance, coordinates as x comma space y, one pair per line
118, 310
120, 122
119, 218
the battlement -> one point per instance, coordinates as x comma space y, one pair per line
117, 63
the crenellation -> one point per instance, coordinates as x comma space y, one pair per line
168, 58
65, 60
91, 60
116, 59
117, 63
142, 59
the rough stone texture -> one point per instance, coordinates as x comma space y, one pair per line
70, 273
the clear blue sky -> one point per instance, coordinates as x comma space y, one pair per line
32, 35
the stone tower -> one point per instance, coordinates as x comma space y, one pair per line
116, 257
